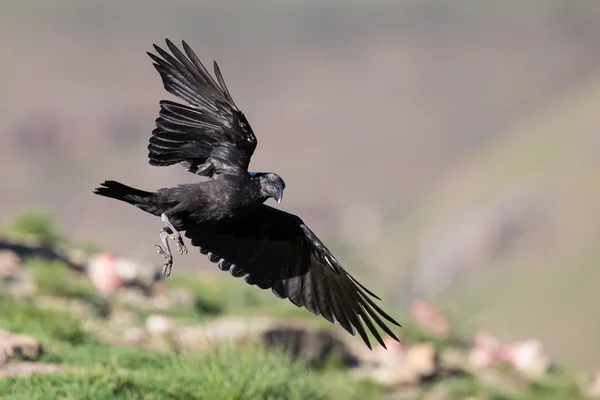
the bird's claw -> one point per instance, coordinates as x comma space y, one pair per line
160, 250
168, 265
166, 271
181, 247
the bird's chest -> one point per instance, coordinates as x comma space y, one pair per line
225, 204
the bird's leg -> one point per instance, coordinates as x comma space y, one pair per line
174, 234
166, 252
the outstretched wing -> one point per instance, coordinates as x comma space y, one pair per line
209, 136
273, 249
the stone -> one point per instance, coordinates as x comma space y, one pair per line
453, 360
4, 357
311, 345
135, 272
102, 272
20, 346
529, 357
10, 263
157, 324
415, 363
28, 368
135, 336
181, 297
593, 389
124, 318
429, 318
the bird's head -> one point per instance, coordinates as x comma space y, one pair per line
271, 185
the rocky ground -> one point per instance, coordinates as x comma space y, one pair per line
65, 315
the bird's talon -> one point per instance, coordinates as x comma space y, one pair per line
181, 248
166, 271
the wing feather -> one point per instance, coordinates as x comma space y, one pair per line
198, 135
273, 249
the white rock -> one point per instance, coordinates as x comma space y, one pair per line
157, 324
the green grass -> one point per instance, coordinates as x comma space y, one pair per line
100, 372
36, 223
93, 370
55, 279
49, 325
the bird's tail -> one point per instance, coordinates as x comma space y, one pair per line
136, 197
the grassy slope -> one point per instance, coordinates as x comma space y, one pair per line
547, 286
94, 370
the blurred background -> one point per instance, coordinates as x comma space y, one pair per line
447, 151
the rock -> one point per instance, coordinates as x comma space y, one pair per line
136, 336
429, 318
138, 298
102, 272
313, 346
135, 272
181, 297
157, 324
501, 379
4, 357
453, 359
28, 368
10, 264
16, 280
421, 359
529, 358
593, 390
415, 363
124, 318
391, 356
302, 342
19, 345
78, 258
486, 350
74, 306
20, 284
223, 330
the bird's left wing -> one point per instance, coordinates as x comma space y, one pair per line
273, 249
209, 136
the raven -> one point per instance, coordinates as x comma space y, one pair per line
225, 216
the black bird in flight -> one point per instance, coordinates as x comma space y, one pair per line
225, 216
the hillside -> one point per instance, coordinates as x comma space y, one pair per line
95, 325
516, 230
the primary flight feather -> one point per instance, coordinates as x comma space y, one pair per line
225, 216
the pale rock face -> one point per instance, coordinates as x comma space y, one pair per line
405, 365
593, 390
429, 318
529, 357
103, 273
486, 349
18, 345
10, 263
157, 324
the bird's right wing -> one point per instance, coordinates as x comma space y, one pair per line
209, 136
273, 249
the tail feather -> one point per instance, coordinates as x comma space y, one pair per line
136, 197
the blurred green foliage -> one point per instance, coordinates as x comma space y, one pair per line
25, 316
97, 371
37, 224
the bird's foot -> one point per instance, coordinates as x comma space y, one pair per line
168, 265
180, 245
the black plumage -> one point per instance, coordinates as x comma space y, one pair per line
225, 216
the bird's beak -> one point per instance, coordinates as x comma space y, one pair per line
278, 196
